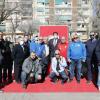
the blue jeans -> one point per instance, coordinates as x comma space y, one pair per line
98, 81
62, 74
75, 63
24, 77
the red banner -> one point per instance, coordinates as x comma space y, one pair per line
49, 29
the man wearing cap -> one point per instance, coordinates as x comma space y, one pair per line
91, 57
32, 68
76, 54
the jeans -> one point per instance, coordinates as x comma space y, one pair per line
62, 74
98, 82
75, 63
24, 78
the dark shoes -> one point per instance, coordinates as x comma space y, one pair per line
78, 81
88, 82
24, 86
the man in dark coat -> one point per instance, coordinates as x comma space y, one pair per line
98, 60
53, 44
8, 62
2, 50
91, 57
18, 57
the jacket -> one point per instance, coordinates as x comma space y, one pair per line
62, 64
77, 50
31, 65
90, 48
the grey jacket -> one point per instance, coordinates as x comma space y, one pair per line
30, 65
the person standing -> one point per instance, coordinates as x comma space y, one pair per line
18, 57
98, 60
91, 58
63, 47
53, 44
76, 54
2, 51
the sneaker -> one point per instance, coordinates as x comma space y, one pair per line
70, 80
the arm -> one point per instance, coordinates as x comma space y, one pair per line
24, 67
84, 52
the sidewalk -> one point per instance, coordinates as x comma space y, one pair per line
50, 96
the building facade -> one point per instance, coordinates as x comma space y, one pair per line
74, 13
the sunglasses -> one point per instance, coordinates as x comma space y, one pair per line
91, 35
56, 54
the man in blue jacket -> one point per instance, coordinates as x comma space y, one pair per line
76, 54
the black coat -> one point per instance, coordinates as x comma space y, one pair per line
52, 47
90, 48
97, 51
2, 51
18, 55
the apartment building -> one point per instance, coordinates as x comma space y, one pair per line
74, 13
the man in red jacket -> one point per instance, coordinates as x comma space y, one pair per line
63, 46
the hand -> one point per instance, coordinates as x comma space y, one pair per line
57, 74
39, 77
83, 60
69, 60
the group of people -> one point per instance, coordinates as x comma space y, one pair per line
32, 59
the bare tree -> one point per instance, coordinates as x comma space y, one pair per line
29, 26
6, 8
96, 18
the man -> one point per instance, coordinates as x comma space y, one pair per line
45, 57
53, 44
63, 46
97, 51
31, 67
76, 54
91, 57
7, 69
58, 65
18, 57
2, 51
26, 45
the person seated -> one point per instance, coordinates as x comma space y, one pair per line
58, 66
31, 68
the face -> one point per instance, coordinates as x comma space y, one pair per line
26, 38
92, 36
33, 55
55, 35
63, 39
21, 41
40, 40
45, 40
57, 55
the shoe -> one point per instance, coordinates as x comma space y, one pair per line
54, 81
89, 82
63, 82
10, 81
78, 81
70, 80
24, 86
